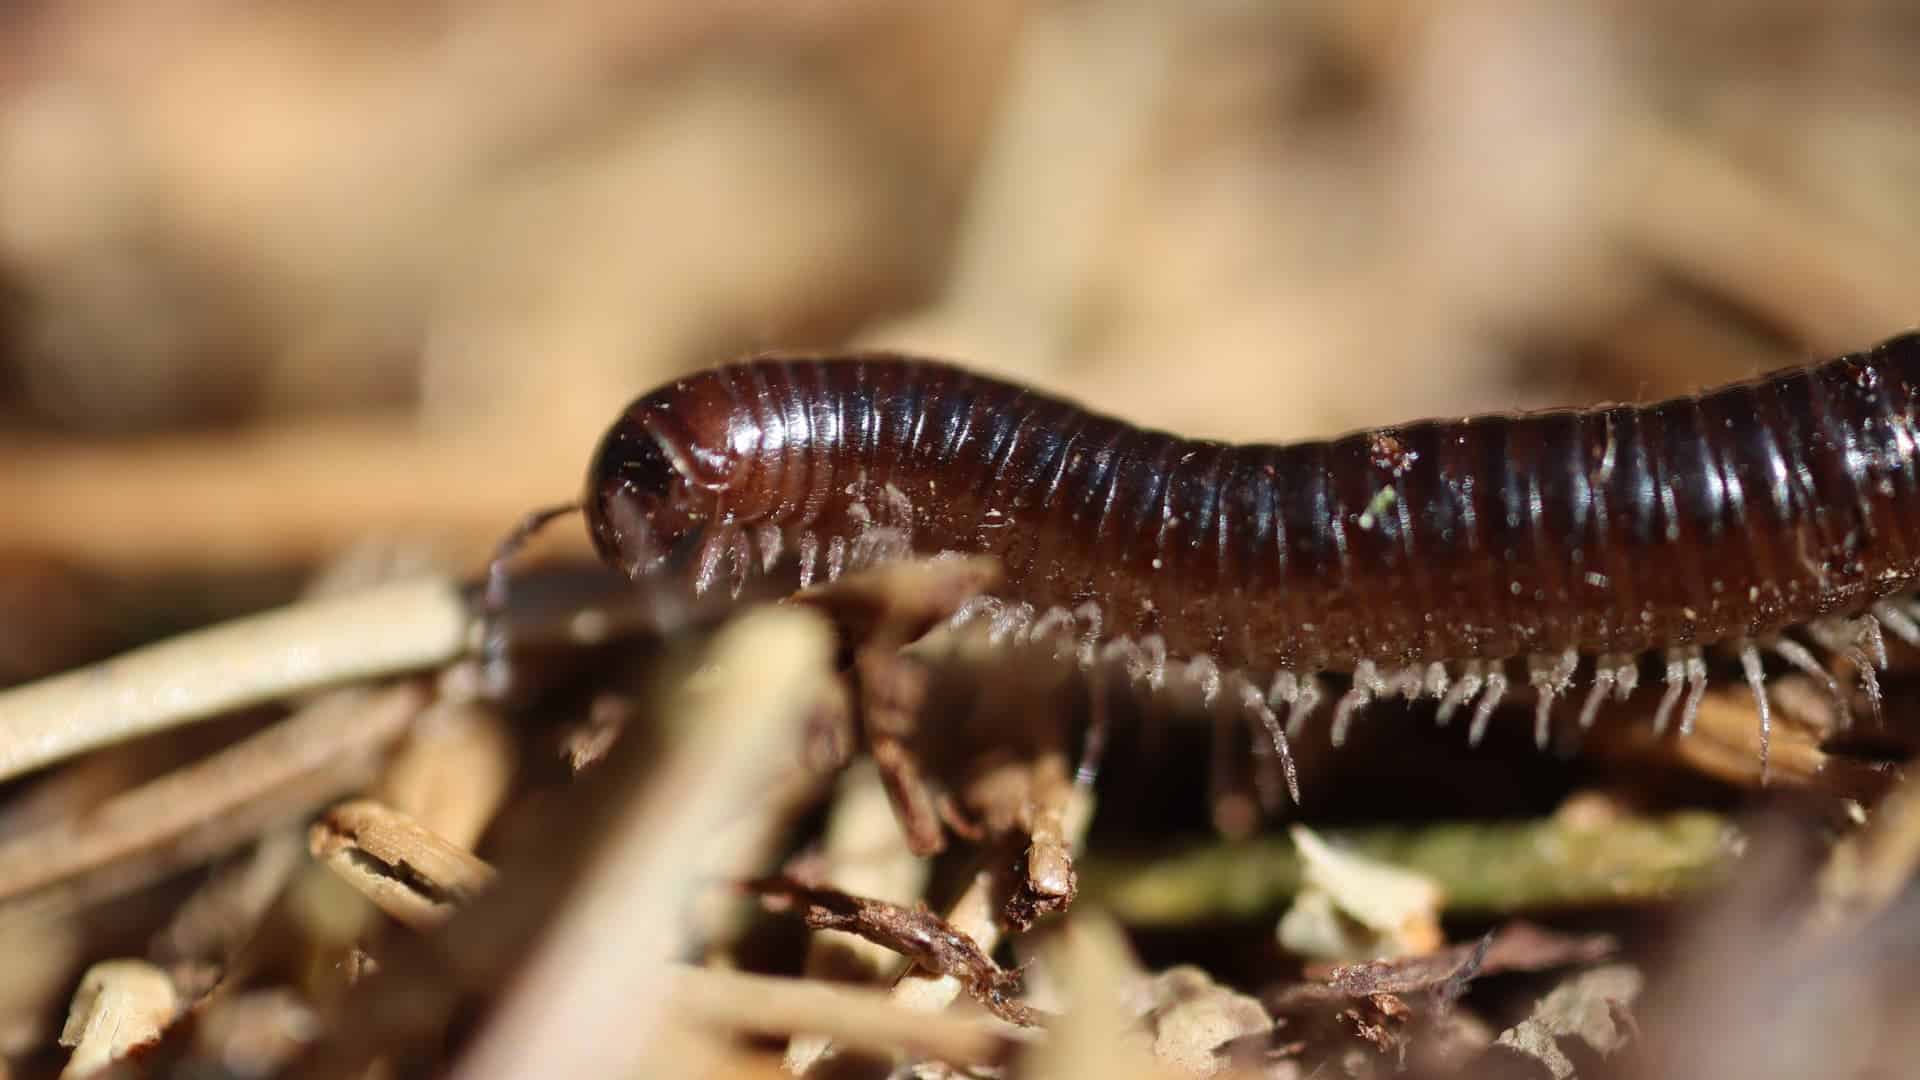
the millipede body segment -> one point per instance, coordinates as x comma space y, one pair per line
1419, 558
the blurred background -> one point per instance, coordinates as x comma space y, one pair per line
282, 279
292, 287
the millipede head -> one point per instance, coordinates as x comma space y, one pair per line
641, 501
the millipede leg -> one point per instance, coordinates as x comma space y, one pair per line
1154, 648
973, 610
1010, 623
1126, 652
1408, 682
1867, 636
836, 558
1869, 654
1489, 701
1603, 681
1869, 681
1549, 676
1842, 635
1204, 673
739, 562
1099, 724
1303, 704
1676, 676
707, 562
1434, 685
1757, 679
1355, 699
1269, 789
1696, 690
1626, 676
1252, 704
493, 610
1802, 659
810, 559
1250, 696
1055, 625
1089, 616
1366, 684
1286, 687
1899, 622
1563, 669
1463, 690
771, 541
1863, 646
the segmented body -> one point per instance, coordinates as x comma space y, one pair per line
1420, 558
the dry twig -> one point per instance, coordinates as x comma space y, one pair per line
396, 628
319, 753
973, 915
915, 933
865, 853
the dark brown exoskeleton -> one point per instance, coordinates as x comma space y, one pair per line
1778, 515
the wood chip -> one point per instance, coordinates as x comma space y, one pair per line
120, 1006
454, 770
412, 873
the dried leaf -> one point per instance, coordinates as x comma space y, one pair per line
1350, 905
1589, 1007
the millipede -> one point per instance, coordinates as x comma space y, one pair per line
1773, 520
